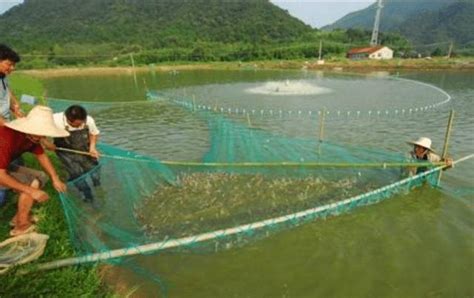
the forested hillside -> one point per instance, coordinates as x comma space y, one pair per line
436, 23
159, 23
452, 23
394, 14
71, 32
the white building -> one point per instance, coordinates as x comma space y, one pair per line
378, 53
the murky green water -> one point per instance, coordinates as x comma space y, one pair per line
416, 245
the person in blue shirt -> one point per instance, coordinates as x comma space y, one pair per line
8, 102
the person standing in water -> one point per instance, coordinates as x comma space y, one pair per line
83, 137
422, 151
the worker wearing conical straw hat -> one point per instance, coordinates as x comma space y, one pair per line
20, 136
423, 151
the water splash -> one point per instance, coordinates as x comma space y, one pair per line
288, 88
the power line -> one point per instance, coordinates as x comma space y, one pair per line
73, 56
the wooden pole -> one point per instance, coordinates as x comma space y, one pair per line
194, 103
446, 140
321, 125
450, 50
133, 70
448, 134
320, 48
321, 129
248, 120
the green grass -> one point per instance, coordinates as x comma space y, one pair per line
66, 282
24, 84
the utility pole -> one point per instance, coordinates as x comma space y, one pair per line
375, 32
450, 51
320, 48
133, 70
320, 61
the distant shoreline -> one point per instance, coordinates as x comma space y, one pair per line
438, 64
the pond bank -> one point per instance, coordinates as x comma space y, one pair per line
435, 64
67, 282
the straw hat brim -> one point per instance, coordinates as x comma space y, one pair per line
421, 145
47, 129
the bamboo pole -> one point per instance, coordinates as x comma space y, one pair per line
248, 120
321, 125
305, 164
320, 49
321, 129
448, 134
73, 151
273, 164
133, 70
104, 155
446, 140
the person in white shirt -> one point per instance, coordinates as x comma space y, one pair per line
83, 138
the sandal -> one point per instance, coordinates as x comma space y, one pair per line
16, 232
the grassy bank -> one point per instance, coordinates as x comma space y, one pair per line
66, 282
338, 64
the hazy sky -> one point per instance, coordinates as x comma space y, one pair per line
6, 4
316, 13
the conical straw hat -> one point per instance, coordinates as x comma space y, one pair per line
39, 122
423, 142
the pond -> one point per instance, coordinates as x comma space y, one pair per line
419, 244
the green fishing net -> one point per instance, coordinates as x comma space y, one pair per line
245, 183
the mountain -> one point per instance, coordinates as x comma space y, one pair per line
39, 24
394, 13
420, 21
452, 23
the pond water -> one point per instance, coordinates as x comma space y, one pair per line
420, 244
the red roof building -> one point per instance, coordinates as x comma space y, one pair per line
379, 52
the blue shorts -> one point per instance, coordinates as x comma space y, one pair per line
3, 196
